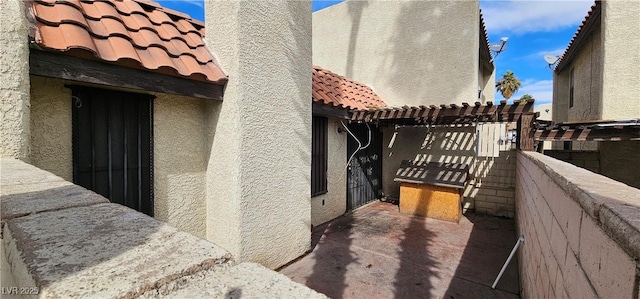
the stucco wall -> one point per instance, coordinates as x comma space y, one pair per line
488, 85
606, 69
587, 71
621, 56
491, 188
259, 171
580, 236
51, 126
181, 135
14, 75
587, 68
409, 52
332, 204
182, 138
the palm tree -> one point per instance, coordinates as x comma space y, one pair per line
526, 97
508, 85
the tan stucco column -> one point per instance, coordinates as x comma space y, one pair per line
258, 174
620, 59
14, 81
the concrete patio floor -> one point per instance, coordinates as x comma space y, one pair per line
376, 252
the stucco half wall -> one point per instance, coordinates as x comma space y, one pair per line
332, 204
409, 52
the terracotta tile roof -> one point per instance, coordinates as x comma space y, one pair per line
585, 28
139, 34
484, 41
332, 89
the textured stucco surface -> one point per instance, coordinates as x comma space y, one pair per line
246, 280
580, 229
621, 56
181, 135
409, 52
79, 245
332, 204
491, 186
587, 68
258, 176
606, 70
14, 75
51, 126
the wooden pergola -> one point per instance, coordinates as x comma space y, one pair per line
530, 130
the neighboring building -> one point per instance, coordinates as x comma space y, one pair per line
124, 98
333, 97
598, 78
410, 52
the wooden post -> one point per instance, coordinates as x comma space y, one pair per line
525, 138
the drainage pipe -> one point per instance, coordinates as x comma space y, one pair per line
504, 267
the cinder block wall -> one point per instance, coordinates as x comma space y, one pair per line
580, 228
589, 160
491, 189
495, 185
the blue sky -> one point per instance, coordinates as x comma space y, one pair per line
534, 28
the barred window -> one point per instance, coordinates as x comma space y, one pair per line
318, 156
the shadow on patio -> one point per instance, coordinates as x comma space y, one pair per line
376, 252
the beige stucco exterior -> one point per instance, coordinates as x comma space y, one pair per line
621, 59
332, 204
409, 52
51, 143
14, 75
258, 178
181, 150
606, 70
182, 138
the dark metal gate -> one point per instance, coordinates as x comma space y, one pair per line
364, 177
112, 145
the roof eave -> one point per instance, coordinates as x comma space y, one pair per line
583, 33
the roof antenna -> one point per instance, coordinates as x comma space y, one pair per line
551, 60
498, 47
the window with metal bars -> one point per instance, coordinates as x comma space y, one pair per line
318, 155
571, 89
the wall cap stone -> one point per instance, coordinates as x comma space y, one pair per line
66, 241
615, 206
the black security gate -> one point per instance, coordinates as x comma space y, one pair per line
112, 145
364, 179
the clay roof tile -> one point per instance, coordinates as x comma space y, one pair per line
335, 90
130, 33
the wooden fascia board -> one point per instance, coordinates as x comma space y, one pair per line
49, 64
330, 111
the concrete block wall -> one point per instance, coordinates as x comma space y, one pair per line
60, 240
589, 160
581, 231
494, 186
491, 188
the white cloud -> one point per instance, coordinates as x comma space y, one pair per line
538, 55
541, 90
519, 17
